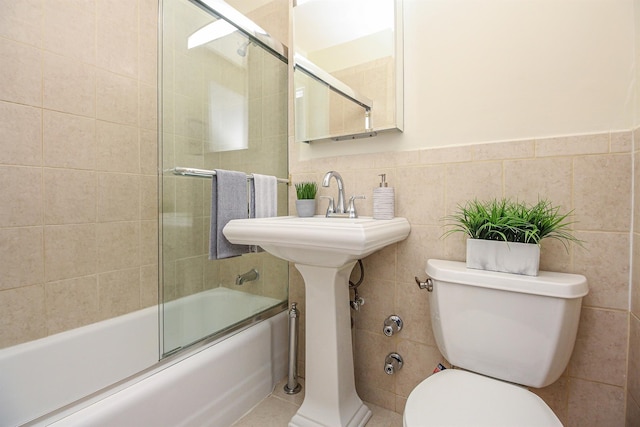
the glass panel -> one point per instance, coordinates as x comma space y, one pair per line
311, 108
224, 103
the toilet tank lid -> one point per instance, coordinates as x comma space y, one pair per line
546, 283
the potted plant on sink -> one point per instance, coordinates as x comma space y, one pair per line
306, 195
504, 235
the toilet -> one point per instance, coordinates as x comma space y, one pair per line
503, 332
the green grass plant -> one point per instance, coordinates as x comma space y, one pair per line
306, 190
512, 221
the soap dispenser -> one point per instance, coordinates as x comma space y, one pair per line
383, 200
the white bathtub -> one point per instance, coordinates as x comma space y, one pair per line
213, 384
195, 316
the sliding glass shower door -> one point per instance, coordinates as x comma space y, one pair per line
223, 106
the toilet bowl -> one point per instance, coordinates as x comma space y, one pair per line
454, 397
505, 332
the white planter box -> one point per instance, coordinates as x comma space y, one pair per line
509, 257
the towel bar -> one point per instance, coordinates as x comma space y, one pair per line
203, 173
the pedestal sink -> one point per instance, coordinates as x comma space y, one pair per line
324, 250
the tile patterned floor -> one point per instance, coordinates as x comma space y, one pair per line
277, 409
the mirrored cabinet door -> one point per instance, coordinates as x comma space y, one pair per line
347, 68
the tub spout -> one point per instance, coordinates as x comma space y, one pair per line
249, 276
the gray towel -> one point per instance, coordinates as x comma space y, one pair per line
228, 201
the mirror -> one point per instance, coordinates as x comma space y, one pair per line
347, 68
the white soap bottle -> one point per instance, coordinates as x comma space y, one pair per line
383, 200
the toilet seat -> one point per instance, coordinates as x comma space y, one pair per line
460, 398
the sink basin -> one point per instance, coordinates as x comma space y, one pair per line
318, 241
324, 250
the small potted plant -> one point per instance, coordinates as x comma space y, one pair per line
306, 194
504, 235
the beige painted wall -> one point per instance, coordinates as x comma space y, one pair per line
484, 71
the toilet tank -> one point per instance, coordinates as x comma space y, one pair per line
516, 328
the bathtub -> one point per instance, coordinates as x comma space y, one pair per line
53, 381
190, 318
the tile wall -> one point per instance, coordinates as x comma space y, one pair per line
633, 370
78, 132
78, 214
590, 174
78, 209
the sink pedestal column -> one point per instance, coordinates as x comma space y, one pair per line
330, 393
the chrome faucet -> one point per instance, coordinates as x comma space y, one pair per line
249, 276
339, 210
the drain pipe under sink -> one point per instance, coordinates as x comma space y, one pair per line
292, 386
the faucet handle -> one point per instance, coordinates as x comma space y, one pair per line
330, 207
351, 210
